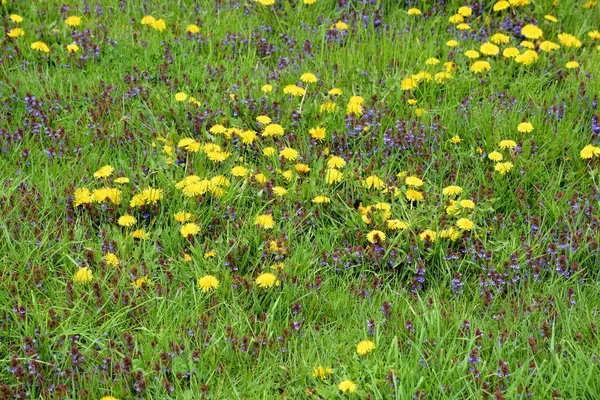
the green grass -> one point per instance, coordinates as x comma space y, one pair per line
505, 310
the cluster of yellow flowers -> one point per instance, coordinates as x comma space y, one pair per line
490, 49
40, 46
158, 24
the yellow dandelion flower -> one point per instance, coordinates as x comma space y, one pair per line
354, 108
294, 90
127, 220
208, 283
321, 199
302, 168
500, 38
467, 204
141, 282
181, 96
465, 224
531, 32
266, 280
152, 196
83, 275
317, 133
73, 20
429, 235
365, 346
267, 88
525, 127
15, 33
104, 172
356, 99
527, 58
451, 190
210, 254
549, 46
463, 27
414, 11
273, 130
507, 144
265, 221
218, 156
496, 156
16, 18
189, 144
308, 77
239, 171
82, 196
550, 18
147, 20
569, 40
503, 167
527, 44
336, 162
449, 233
288, 153
589, 151
264, 119
72, 48
347, 386
465, 11
217, 129
480, 66
376, 237
456, 139
409, 83
452, 43
340, 26
396, 224
489, 49
159, 24
452, 210
373, 181
137, 201
140, 234
456, 19
182, 216
472, 54
280, 191
189, 229
112, 194
193, 29
501, 5
111, 259
441, 77
321, 372
511, 52
334, 92
333, 176
328, 106
197, 188
413, 181
572, 65
248, 137
260, 178
414, 195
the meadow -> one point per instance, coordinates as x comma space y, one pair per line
299, 199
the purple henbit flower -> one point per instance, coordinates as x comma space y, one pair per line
371, 326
